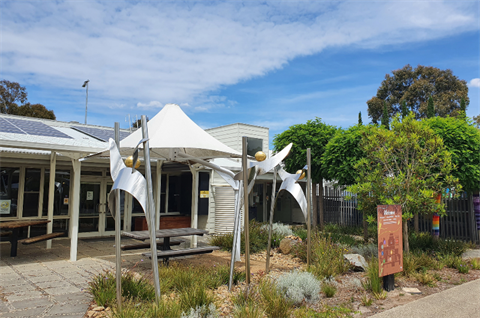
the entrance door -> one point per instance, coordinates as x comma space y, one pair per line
109, 228
95, 219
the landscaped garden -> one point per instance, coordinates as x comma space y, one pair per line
197, 286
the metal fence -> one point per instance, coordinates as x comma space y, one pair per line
458, 224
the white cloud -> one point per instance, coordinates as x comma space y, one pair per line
474, 82
182, 52
152, 104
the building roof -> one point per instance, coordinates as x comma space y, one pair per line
44, 135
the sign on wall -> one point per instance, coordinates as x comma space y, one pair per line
204, 194
89, 195
5, 206
390, 244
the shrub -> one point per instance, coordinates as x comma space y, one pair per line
463, 268
258, 238
368, 251
204, 311
301, 232
426, 278
425, 242
299, 286
475, 263
278, 228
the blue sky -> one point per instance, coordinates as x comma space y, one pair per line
272, 64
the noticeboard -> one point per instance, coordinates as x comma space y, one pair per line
390, 245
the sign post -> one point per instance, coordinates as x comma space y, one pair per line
390, 244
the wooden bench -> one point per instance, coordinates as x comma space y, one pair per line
137, 246
40, 238
183, 252
4, 235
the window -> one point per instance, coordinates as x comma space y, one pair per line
31, 192
254, 145
9, 178
61, 196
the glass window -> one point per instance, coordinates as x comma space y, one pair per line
9, 178
254, 145
31, 192
61, 196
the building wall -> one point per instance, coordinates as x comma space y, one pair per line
231, 135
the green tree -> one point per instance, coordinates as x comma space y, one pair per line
476, 121
35, 110
415, 86
385, 116
11, 94
360, 122
404, 109
463, 109
407, 165
462, 140
430, 108
314, 134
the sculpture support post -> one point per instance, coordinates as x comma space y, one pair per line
118, 224
272, 209
245, 209
236, 233
309, 205
150, 208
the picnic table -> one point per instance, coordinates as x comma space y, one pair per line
16, 226
166, 252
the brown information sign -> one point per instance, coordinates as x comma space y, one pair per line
390, 244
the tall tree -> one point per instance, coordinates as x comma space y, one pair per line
35, 110
406, 165
430, 108
476, 121
360, 122
385, 116
12, 94
415, 86
462, 139
404, 109
463, 109
314, 134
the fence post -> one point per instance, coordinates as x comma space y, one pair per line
472, 220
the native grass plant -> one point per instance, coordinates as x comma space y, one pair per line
329, 289
134, 309
258, 238
463, 268
246, 304
366, 301
103, 288
274, 302
425, 278
325, 312
373, 283
327, 257
300, 231
299, 287
178, 278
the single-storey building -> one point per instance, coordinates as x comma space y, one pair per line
43, 175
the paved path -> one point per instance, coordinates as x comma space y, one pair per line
44, 283
462, 301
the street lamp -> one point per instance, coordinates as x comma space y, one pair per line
85, 84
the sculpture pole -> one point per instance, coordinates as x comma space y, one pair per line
272, 209
309, 204
118, 251
150, 208
245, 209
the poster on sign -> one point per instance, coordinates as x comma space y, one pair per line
390, 244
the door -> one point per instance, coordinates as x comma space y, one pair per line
95, 219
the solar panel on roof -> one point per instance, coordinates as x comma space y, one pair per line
30, 127
102, 134
5, 126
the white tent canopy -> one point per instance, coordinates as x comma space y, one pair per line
171, 129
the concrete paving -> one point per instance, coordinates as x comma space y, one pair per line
462, 301
42, 282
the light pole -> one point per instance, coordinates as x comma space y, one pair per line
85, 84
